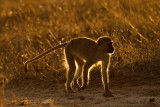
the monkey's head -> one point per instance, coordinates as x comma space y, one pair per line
106, 44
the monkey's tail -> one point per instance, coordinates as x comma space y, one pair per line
44, 53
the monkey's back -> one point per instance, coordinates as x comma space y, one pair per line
82, 47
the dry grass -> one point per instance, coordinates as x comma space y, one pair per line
29, 27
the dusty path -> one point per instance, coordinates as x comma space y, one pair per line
126, 96
139, 89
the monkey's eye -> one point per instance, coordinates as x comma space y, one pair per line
110, 43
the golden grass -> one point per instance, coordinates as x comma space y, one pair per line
29, 27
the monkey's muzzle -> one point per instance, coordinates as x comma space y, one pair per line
111, 50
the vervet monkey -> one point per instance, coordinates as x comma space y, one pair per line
84, 53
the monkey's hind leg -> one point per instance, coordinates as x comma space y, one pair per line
70, 73
78, 73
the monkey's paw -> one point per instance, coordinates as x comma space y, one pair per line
83, 87
70, 90
74, 86
108, 94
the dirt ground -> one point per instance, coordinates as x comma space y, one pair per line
126, 96
129, 92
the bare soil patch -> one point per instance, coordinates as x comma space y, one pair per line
127, 91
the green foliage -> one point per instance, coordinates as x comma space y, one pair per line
29, 27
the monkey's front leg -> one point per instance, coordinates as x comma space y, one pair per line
105, 78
